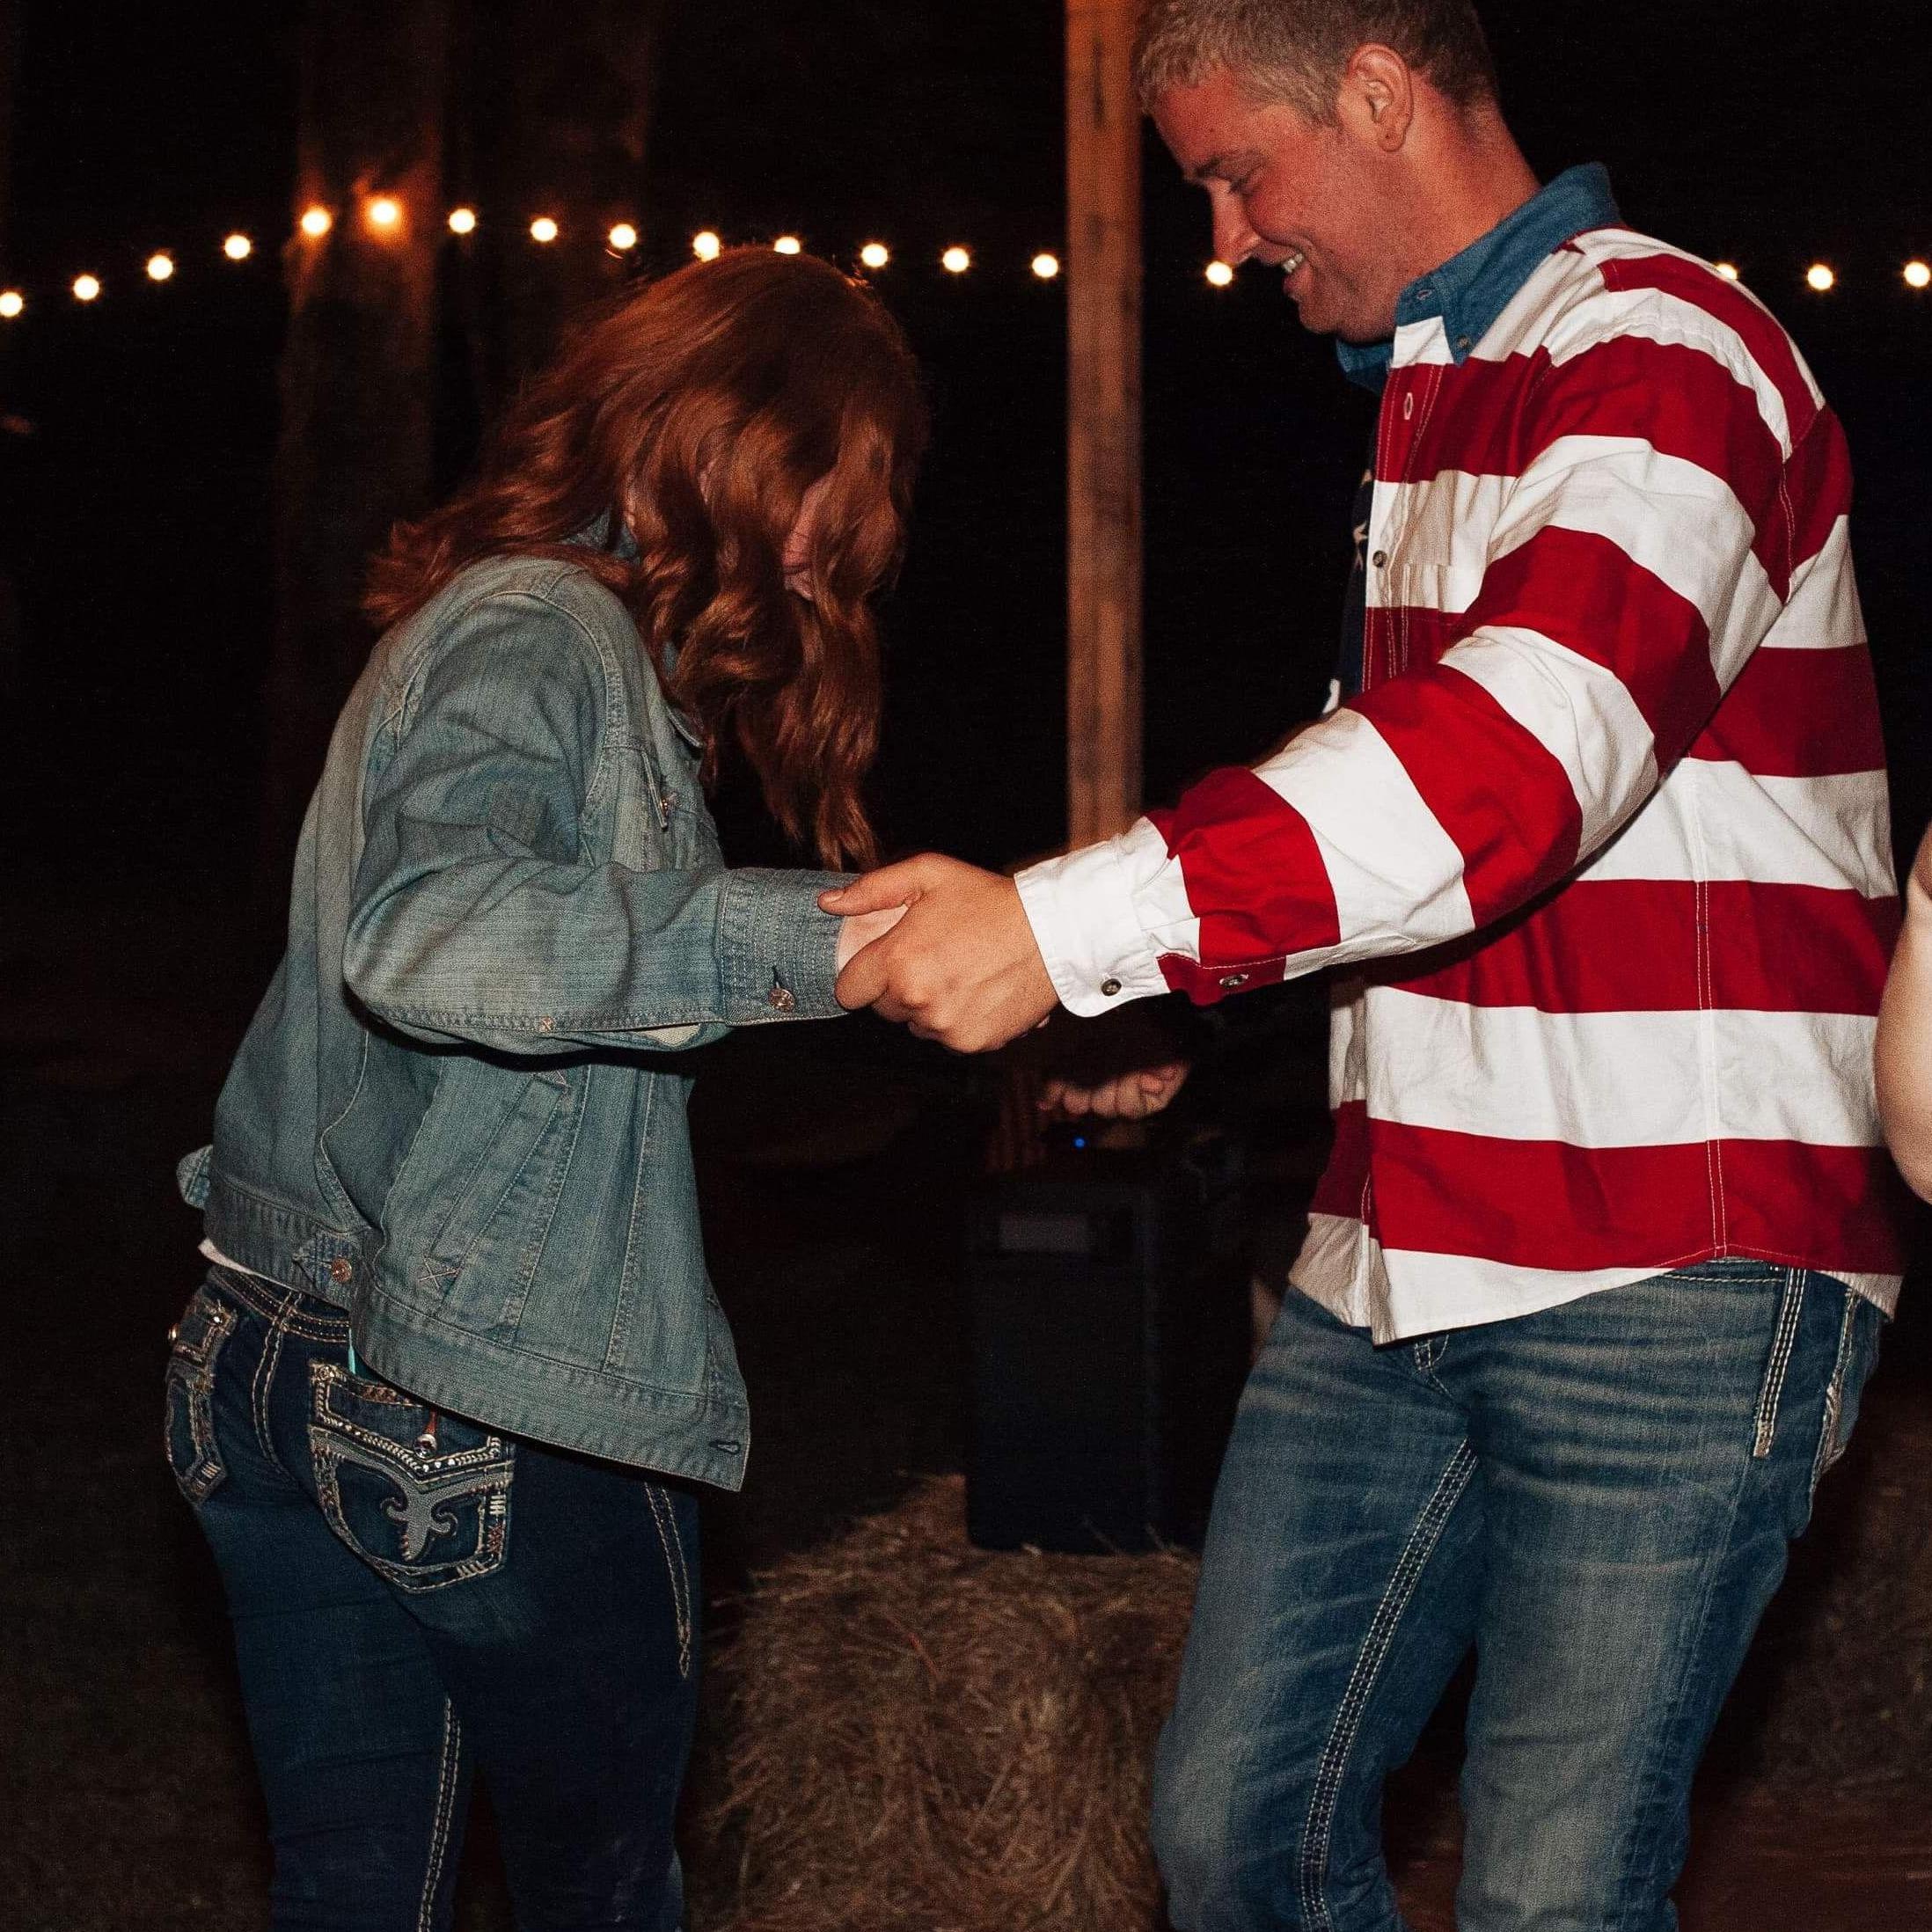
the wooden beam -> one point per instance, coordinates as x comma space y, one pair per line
1103, 269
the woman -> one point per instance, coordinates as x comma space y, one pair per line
457, 1333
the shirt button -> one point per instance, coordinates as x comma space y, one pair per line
1463, 342
1230, 981
340, 1268
1380, 559
781, 998
1109, 987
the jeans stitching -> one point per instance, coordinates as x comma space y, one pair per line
1401, 1585
439, 1831
265, 1375
1789, 1309
675, 1566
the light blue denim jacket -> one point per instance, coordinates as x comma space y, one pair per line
460, 1109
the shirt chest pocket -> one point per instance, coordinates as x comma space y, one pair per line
662, 822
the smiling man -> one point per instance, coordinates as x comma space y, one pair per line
1594, 844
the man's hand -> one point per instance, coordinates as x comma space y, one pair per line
961, 968
1126, 1096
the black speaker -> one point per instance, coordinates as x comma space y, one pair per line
1109, 1312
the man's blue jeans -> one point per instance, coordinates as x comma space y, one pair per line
1599, 1499
415, 1599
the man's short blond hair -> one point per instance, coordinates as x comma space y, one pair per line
1297, 50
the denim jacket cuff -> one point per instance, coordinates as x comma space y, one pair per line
778, 949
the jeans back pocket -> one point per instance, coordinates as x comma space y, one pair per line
194, 1347
422, 1498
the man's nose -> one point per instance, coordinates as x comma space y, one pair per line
1234, 239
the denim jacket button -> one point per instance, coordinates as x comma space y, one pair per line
781, 998
340, 1268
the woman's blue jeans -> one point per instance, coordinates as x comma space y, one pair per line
1598, 1499
414, 1600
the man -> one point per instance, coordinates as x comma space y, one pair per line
1598, 849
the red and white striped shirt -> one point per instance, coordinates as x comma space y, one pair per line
1601, 851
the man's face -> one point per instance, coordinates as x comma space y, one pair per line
1309, 199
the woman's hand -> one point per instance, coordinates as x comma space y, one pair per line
859, 932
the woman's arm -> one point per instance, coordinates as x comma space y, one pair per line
1904, 1034
478, 915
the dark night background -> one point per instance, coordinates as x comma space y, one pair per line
136, 437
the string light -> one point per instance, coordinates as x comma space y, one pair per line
787, 245
542, 229
316, 221
384, 213
1918, 274
957, 260
1219, 273
1727, 269
623, 238
1820, 277
12, 302
160, 267
876, 254
86, 287
463, 220
237, 247
1046, 267
705, 245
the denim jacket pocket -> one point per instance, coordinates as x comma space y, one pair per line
194, 1346
423, 1498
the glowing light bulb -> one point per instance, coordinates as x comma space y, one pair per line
160, 267
1046, 267
463, 220
705, 245
12, 302
86, 287
1918, 274
316, 223
623, 238
1820, 277
237, 248
788, 245
384, 213
542, 229
876, 254
957, 260
1727, 269
1219, 273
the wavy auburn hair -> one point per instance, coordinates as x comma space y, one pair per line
697, 411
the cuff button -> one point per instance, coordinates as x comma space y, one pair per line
1230, 981
1109, 987
781, 998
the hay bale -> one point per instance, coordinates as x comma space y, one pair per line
908, 1731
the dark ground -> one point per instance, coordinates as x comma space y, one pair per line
125, 1779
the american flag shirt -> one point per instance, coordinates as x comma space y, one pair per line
1599, 854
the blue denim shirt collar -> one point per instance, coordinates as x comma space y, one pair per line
1470, 290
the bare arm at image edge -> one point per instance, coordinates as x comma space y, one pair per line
1905, 1035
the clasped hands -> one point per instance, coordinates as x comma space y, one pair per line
955, 961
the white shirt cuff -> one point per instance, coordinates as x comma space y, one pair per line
1086, 925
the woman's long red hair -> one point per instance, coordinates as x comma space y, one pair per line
699, 411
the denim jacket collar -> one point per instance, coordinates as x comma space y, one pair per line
598, 535
1471, 289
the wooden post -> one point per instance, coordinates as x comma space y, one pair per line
1104, 720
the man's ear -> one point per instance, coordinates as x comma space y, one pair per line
1377, 100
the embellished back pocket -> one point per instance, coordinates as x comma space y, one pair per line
194, 1346
422, 1498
